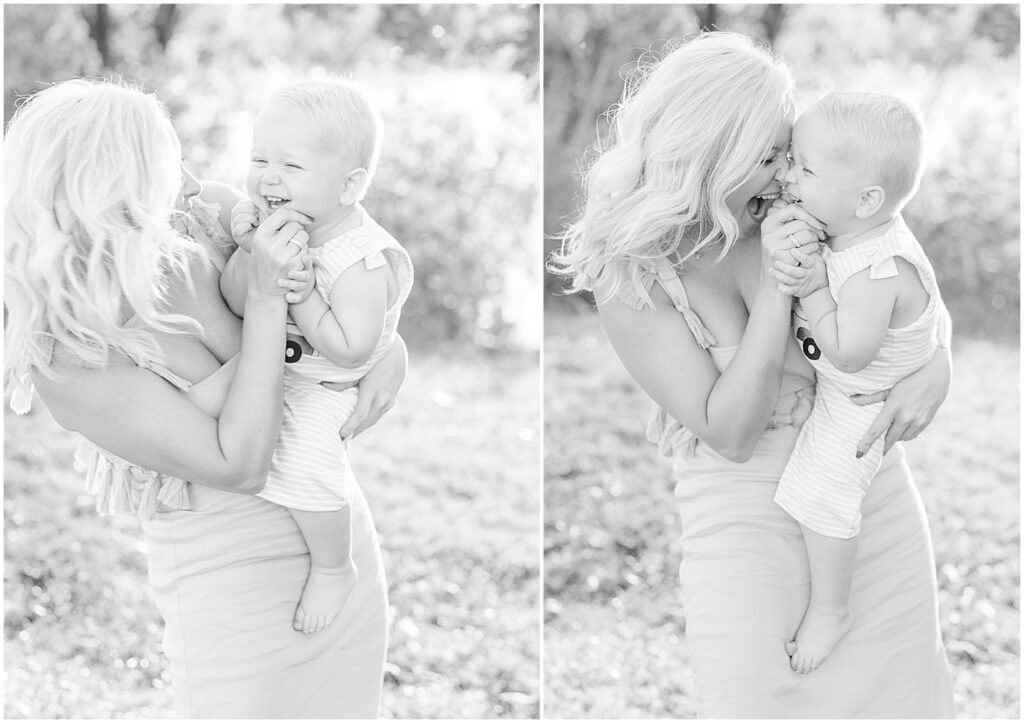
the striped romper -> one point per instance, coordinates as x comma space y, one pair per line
310, 470
824, 483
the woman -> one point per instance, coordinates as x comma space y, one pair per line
670, 241
118, 322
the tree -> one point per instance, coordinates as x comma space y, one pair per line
98, 19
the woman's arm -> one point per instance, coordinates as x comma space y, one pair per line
727, 410
913, 401
136, 415
378, 390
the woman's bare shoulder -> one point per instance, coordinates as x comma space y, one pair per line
223, 194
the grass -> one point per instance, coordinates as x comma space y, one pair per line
451, 477
613, 641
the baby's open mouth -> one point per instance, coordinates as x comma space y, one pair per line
275, 202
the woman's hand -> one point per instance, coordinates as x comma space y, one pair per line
909, 406
788, 226
378, 390
279, 254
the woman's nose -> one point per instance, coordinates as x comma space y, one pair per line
190, 186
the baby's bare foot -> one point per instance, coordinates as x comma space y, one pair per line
325, 592
822, 628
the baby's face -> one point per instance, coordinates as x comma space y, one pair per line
826, 175
291, 164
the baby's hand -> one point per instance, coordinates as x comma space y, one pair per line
245, 219
300, 282
804, 274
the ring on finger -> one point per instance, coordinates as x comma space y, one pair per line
792, 240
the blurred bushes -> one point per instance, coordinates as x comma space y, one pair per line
959, 63
455, 84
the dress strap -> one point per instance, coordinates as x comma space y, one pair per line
158, 368
161, 370
669, 280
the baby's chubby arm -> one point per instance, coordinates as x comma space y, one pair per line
347, 330
850, 333
232, 281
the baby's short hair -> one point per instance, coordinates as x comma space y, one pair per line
888, 134
344, 112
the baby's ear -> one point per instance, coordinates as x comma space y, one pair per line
870, 201
355, 187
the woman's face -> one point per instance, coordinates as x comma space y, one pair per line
750, 202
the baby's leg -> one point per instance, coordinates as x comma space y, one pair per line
827, 618
332, 572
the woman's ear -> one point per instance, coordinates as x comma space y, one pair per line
354, 187
870, 201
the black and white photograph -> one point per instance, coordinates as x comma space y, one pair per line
541, 361
273, 317
781, 361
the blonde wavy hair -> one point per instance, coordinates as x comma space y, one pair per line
689, 130
92, 173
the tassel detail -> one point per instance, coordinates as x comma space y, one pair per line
700, 333
21, 395
121, 488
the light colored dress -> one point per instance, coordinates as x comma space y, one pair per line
227, 572
745, 580
824, 483
310, 468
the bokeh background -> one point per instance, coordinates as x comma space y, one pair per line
452, 473
615, 643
